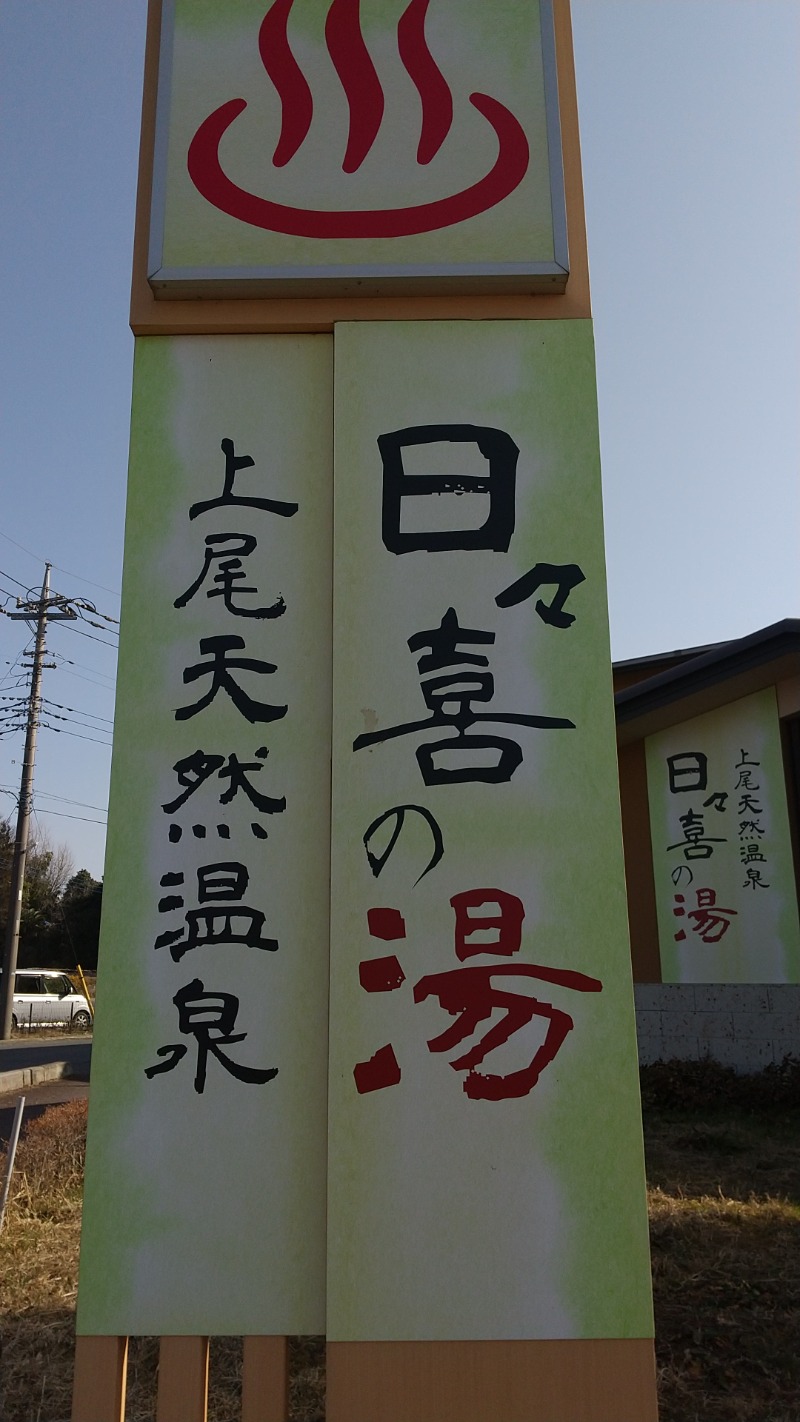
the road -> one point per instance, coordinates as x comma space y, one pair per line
18, 1054
37, 1100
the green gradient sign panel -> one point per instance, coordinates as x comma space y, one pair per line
331, 145
722, 856
205, 1191
485, 1167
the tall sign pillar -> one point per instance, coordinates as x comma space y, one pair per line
365, 1059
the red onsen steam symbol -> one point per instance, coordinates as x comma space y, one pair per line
365, 98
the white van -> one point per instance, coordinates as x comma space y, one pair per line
43, 996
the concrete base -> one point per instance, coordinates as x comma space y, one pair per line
23, 1078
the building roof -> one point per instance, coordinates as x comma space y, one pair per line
681, 654
713, 677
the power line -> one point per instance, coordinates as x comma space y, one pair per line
90, 607
97, 684
65, 662
82, 665
90, 622
82, 607
77, 711
79, 576
59, 730
20, 545
81, 804
62, 799
62, 816
73, 722
12, 579
90, 635
81, 579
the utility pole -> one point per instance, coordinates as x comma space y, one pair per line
56, 607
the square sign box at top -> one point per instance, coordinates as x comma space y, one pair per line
381, 147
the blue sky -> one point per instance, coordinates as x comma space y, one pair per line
689, 122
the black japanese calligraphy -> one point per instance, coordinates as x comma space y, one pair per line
498, 482
227, 499
450, 697
563, 576
218, 668
230, 573
209, 1017
217, 923
398, 812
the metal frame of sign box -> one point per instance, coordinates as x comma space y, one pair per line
385, 279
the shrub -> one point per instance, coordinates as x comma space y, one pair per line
52, 1152
706, 1085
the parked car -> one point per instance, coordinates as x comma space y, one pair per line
43, 996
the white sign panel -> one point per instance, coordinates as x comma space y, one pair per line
205, 1195
722, 854
485, 1177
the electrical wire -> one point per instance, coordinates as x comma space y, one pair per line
83, 666
90, 607
79, 576
12, 579
83, 606
98, 685
72, 721
62, 816
77, 711
91, 623
15, 667
62, 799
90, 635
59, 730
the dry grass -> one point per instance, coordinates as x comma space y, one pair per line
48, 1032
724, 1176
724, 1200
39, 1266
38, 1288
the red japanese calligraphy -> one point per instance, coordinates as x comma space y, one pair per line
473, 994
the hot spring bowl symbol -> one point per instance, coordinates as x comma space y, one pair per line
365, 98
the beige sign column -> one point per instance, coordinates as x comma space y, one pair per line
313, 174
